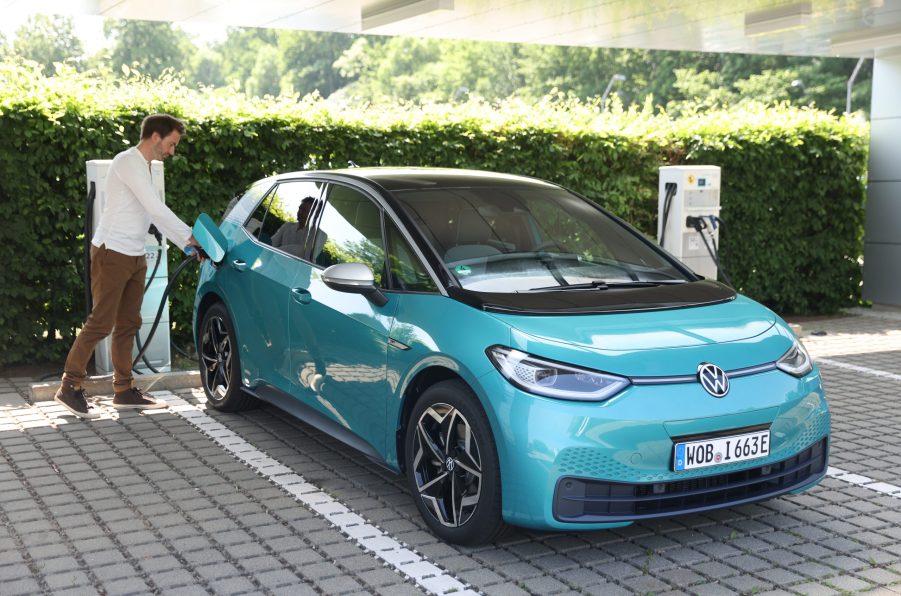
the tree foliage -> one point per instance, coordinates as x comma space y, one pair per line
413, 69
265, 77
239, 53
738, 79
151, 47
206, 68
355, 68
308, 61
439, 70
47, 39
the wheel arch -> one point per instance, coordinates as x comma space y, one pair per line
486, 520
203, 304
233, 398
415, 389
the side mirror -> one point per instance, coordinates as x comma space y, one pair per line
355, 278
210, 237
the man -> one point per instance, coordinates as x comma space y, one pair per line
292, 237
118, 266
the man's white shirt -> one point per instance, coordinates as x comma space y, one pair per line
132, 205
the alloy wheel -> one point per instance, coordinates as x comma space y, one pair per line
447, 465
216, 355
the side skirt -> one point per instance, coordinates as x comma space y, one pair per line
293, 406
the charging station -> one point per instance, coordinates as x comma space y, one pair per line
158, 353
696, 194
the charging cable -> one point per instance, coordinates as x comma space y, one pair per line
191, 252
670, 188
88, 225
159, 257
700, 224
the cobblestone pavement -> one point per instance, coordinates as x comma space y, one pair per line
190, 501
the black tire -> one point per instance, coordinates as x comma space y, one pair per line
457, 489
220, 368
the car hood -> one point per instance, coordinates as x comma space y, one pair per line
734, 335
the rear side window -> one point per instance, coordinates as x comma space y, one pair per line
277, 219
291, 211
242, 205
254, 225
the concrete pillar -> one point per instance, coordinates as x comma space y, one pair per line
882, 240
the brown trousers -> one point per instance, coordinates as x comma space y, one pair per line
117, 287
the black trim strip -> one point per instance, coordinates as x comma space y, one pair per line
720, 434
690, 493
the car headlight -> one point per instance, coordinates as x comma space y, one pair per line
796, 361
553, 379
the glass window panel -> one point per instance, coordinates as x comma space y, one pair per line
350, 231
286, 221
407, 271
509, 239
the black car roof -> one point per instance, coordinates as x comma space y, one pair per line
394, 179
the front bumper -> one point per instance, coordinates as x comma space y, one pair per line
590, 500
579, 466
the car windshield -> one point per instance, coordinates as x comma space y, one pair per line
533, 239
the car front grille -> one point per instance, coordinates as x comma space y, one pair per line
585, 500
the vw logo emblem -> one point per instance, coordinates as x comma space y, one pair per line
713, 379
449, 464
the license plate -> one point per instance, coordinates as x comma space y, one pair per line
721, 450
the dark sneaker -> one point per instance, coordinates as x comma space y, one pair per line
136, 399
73, 399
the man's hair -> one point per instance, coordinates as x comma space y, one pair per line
161, 124
306, 202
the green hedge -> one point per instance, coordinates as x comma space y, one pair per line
793, 188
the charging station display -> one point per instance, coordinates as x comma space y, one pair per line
688, 215
158, 353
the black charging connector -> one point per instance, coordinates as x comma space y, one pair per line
699, 224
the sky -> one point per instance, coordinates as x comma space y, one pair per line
90, 29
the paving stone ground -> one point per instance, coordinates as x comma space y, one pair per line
146, 503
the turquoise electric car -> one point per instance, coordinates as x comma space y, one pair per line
518, 353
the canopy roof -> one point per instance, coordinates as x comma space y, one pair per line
847, 28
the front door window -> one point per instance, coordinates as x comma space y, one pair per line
350, 231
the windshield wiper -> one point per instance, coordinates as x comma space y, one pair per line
606, 285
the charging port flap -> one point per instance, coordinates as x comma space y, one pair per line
210, 237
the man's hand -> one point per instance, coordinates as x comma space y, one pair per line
194, 249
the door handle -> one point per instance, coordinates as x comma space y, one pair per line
239, 265
300, 295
